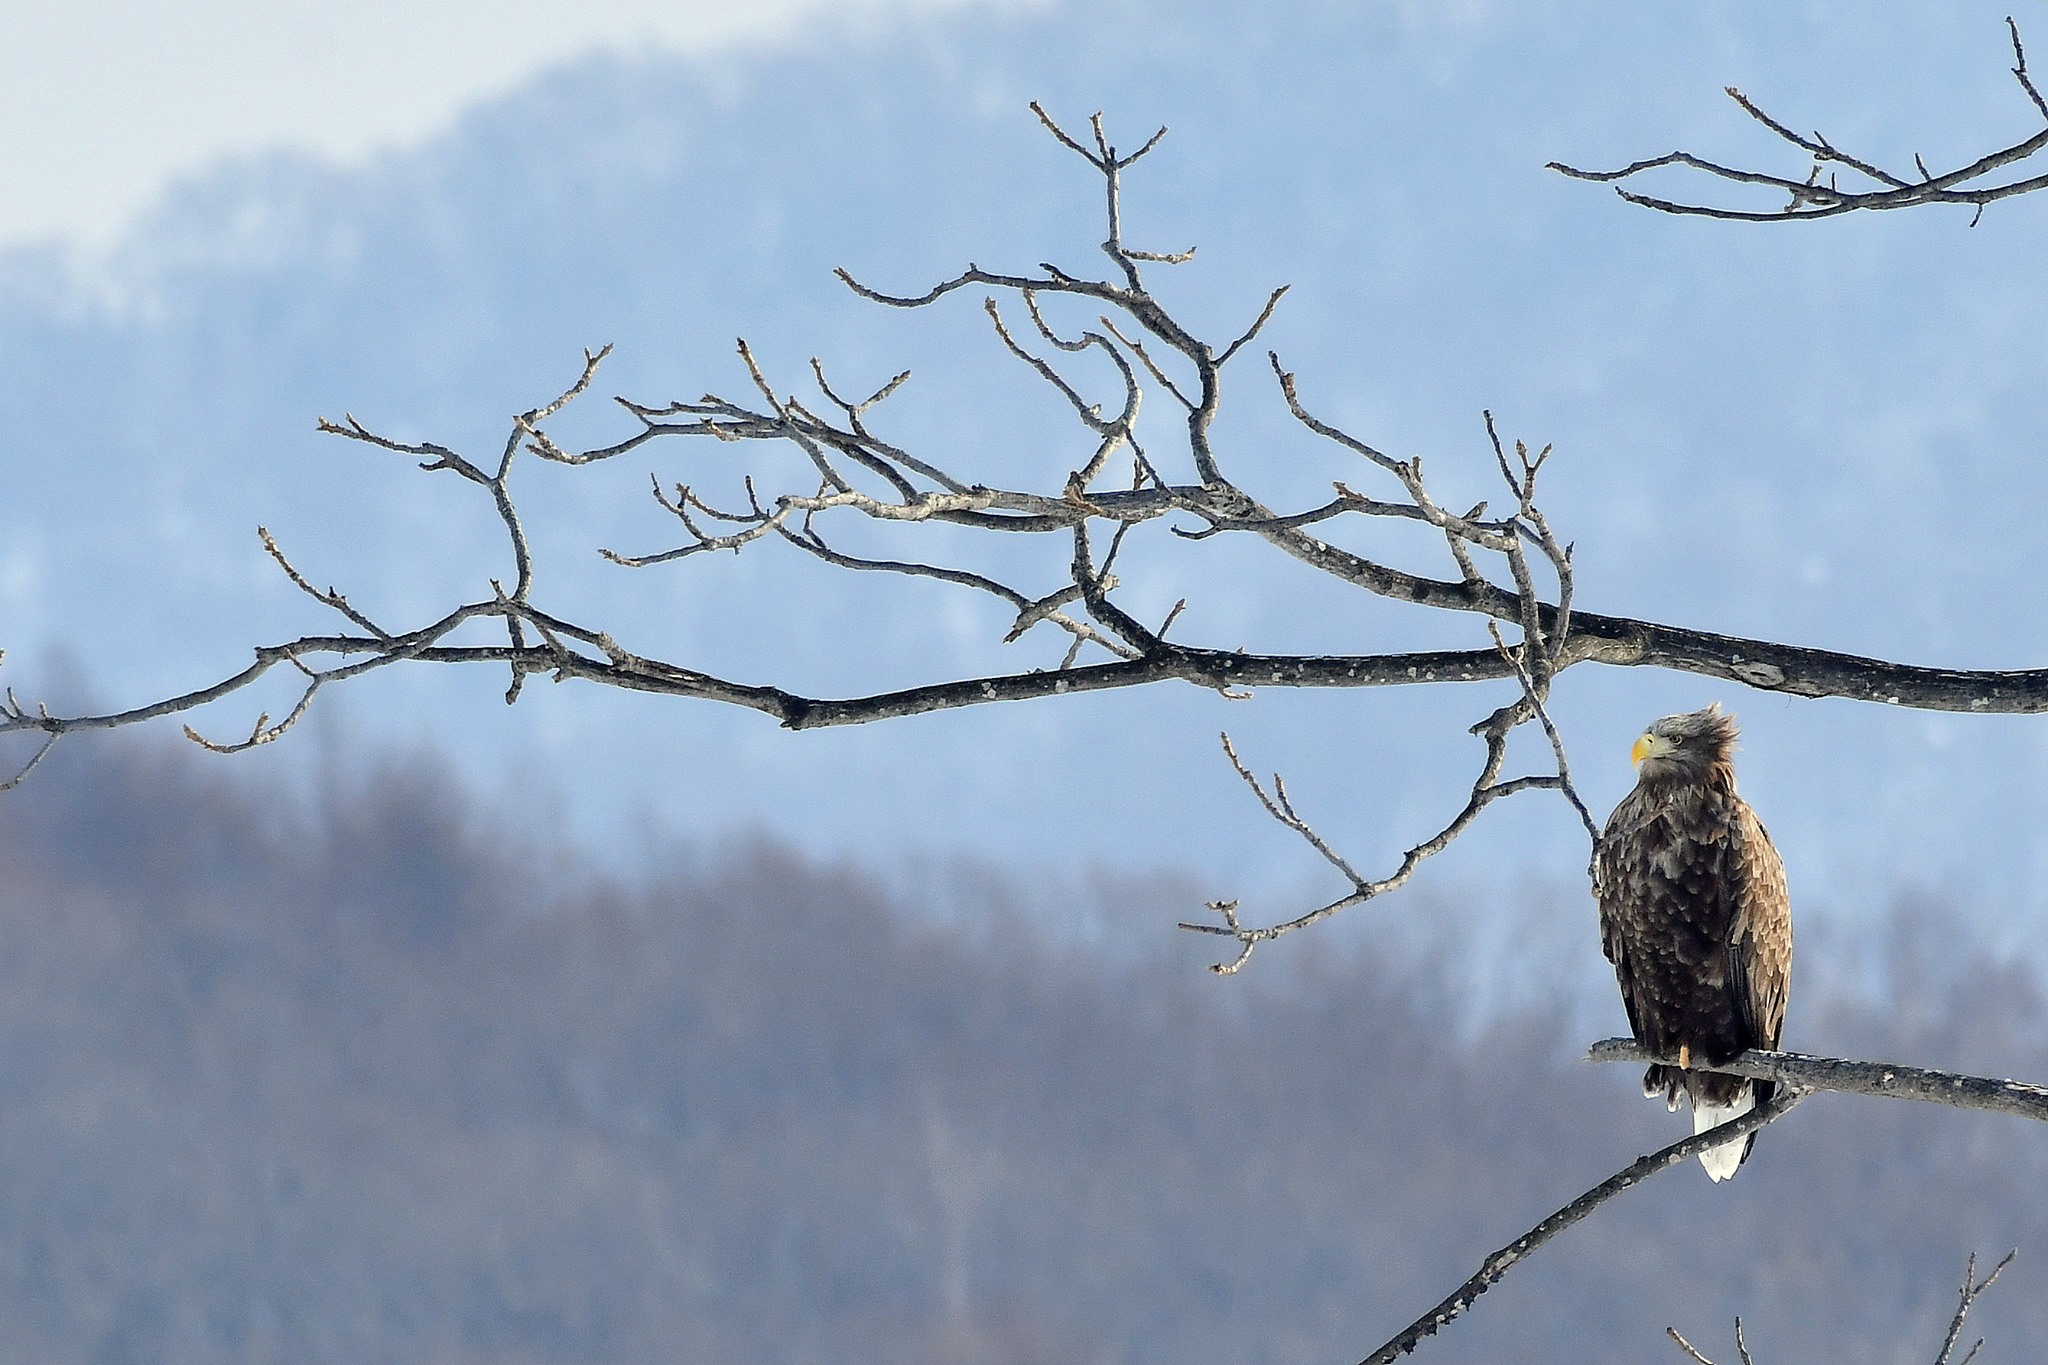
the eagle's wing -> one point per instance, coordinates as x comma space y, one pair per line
1760, 938
1628, 892
1617, 871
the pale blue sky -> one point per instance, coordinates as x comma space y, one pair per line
1829, 432
108, 101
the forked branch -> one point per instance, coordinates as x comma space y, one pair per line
1533, 662
1820, 194
1972, 1289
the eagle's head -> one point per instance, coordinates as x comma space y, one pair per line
1685, 748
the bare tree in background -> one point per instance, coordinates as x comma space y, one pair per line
1970, 1292
1108, 345
1821, 194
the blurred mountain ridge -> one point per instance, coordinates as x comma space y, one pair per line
400, 1076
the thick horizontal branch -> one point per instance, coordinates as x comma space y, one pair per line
1805, 672
1596, 638
1765, 665
1762, 664
1857, 1078
1206, 668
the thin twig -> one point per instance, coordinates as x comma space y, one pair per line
1686, 1346
1564, 773
1812, 198
1972, 1288
1486, 789
35, 760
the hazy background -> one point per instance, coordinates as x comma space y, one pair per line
221, 227
381, 1080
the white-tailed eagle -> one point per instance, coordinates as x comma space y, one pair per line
1695, 918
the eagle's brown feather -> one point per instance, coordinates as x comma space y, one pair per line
1694, 912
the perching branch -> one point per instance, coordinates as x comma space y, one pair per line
1856, 1078
1798, 1076
1821, 195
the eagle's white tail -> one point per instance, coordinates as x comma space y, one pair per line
1721, 1161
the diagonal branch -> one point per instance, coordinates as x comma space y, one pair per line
35, 760
1501, 1262
1699, 1358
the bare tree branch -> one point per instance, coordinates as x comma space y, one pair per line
1531, 691
1486, 789
35, 760
1533, 663
1815, 197
1696, 1355
1883, 1079
1501, 1262
1972, 1288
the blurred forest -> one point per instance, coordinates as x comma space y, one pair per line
391, 1076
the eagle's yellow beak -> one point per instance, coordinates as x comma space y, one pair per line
1648, 746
